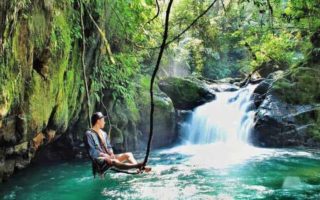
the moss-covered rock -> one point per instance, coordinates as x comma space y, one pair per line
279, 124
164, 123
40, 76
186, 93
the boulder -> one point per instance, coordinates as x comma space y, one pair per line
260, 92
278, 124
269, 67
223, 87
164, 123
265, 86
185, 93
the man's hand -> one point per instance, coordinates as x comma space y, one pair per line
104, 154
111, 161
108, 160
112, 156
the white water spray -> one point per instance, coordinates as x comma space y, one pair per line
228, 119
217, 134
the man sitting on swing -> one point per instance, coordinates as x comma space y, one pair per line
101, 151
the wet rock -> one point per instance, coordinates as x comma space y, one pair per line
164, 132
223, 87
22, 163
260, 92
117, 136
38, 141
7, 132
269, 67
7, 168
277, 124
21, 149
186, 94
22, 127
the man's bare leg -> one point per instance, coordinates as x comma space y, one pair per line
121, 165
126, 157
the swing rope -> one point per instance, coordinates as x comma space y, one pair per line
162, 47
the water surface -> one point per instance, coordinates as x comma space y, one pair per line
184, 172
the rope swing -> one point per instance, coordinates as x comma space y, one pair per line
162, 47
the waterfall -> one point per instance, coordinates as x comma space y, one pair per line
228, 119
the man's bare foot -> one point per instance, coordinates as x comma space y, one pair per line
143, 168
147, 169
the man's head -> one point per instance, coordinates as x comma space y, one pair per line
97, 119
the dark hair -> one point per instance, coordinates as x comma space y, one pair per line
95, 117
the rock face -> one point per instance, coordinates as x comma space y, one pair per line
288, 105
186, 94
164, 129
40, 75
279, 123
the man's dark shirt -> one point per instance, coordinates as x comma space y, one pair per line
95, 147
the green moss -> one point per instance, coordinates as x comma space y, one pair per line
10, 72
60, 35
162, 104
302, 87
38, 27
69, 74
60, 90
42, 101
132, 110
184, 89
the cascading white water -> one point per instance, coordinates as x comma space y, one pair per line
228, 119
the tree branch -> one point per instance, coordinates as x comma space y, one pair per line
103, 35
163, 45
224, 8
271, 13
158, 12
192, 23
83, 62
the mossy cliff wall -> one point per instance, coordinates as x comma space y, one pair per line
40, 75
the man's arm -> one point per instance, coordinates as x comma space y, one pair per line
109, 147
95, 152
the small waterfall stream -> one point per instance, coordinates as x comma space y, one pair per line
228, 119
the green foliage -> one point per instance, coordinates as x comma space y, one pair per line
127, 25
270, 47
260, 35
118, 79
301, 87
303, 14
